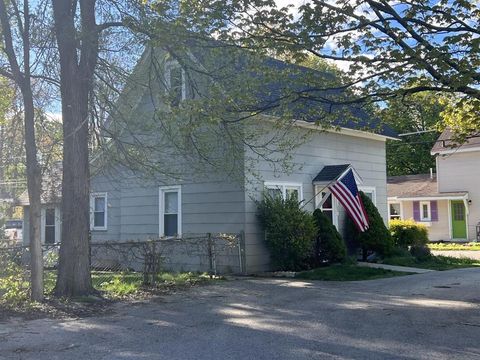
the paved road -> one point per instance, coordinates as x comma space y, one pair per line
425, 316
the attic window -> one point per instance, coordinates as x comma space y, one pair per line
175, 79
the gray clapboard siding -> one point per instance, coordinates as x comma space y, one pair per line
366, 155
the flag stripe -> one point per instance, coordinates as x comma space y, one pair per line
353, 202
346, 191
356, 221
347, 204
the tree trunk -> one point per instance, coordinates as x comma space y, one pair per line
34, 185
34, 181
76, 74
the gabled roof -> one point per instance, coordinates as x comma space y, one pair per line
330, 173
51, 188
417, 186
445, 143
294, 77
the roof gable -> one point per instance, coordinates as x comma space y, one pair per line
446, 144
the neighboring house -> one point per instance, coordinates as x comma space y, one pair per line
447, 202
127, 206
50, 213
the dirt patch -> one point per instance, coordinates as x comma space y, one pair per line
54, 308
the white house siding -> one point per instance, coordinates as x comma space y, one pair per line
367, 156
460, 171
437, 230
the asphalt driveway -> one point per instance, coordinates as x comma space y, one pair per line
425, 316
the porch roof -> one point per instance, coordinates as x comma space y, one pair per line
419, 187
330, 173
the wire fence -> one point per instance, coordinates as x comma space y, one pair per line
143, 261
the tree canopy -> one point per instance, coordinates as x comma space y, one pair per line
417, 118
391, 48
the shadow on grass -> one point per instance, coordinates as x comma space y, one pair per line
348, 273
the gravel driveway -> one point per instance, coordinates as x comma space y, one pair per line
425, 316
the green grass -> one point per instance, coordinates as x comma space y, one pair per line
454, 246
433, 262
121, 284
347, 273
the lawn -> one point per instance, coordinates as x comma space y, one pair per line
433, 262
120, 284
347, 273
454, 246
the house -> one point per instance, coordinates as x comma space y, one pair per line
447, 202
128, 205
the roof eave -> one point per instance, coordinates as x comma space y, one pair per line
428, 197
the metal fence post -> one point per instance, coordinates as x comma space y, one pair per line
241, 249
210, 253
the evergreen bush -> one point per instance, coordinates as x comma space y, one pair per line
376, 238
329, 246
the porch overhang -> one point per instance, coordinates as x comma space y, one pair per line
440, 196
330, 173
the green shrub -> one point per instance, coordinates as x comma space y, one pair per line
420, 251
376, 238
290, 232
406, 233
329, 246
14, 283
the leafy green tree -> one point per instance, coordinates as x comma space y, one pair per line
420, 115
392, 48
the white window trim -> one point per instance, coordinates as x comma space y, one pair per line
401, 209
370, 189
92, 211
283, 186
429, 218
57, 224
168, 67
334, 208
161, 208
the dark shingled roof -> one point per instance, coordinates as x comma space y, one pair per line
330, 173
416, 186
355, 118
445, 143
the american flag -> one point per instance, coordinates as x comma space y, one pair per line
346, 191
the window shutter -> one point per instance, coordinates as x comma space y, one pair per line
416, 210
434, 210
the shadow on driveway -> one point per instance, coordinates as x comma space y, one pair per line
426, 316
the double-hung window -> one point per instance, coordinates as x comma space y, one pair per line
98, 211
394, 211
170, 199
425, 211
175, 78
50, 226
284, 190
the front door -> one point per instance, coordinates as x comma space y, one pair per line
459, 222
